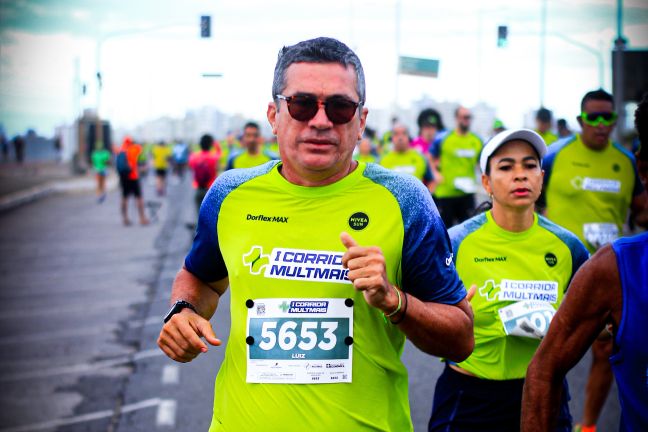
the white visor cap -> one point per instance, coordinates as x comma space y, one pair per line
502, 138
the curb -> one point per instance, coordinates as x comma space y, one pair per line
17, 199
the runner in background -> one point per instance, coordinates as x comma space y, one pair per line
544, 124
454, 158
406, 160
610, 291
161, 154
127, 168
365, 151
253, 154
520, 265
204, 165
591, 184
100, 159
180, 158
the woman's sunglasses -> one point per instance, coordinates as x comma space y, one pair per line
596, 118
338, 109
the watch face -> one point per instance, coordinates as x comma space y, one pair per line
177, 307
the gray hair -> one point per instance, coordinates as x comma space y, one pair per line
318, 50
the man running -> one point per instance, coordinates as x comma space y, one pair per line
318, 321
252, 154
610, 290
405, 159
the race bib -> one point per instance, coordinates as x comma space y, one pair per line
299, 341
527, 318
600, 234
465, 184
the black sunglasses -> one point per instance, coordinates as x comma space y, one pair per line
338, 109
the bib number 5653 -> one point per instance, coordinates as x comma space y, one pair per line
303, 335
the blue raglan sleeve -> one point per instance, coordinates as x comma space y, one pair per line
205, 260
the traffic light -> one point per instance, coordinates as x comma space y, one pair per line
205, 26
502, 34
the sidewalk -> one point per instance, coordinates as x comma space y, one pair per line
24, 183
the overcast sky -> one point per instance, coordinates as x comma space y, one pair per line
152, 59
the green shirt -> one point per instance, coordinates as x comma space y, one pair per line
589, 192
548, 137
247, 160
521, 279
280, 243
408, 162
458, 156
100, 159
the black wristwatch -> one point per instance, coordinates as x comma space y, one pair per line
177, 307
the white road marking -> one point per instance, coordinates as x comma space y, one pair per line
166, 413
169, 414
170, 374
82, 368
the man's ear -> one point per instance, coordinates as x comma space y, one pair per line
271, 113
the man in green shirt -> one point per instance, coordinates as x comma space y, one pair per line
406, 160
544, 120
252, 154
100, 158
318, 322
455, 157
590, 184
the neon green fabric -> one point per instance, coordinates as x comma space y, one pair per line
365, 158
409, 162
507, 267
100, 159
589, 192
548, 137
259, 219
247, 160
458, 156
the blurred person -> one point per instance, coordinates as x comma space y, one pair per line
127, 167
351, 306
519, 264
544, 123
405, 159
252, 154
204, 165
454, 158
161, 154
610, 292
229, 146
180, 158
100, 158
498, 126
590, 184
366, 152
4, 145
19, 148
429, 122
563, 128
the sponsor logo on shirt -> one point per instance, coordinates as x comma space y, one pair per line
358, 221
264, 218
519, 290
303, 306
596, 184
550, 259
490, 259
465, 153
297, 264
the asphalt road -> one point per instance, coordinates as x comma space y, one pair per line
81, 304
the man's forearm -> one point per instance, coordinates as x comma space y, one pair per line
204, 297
439, 329
540, 400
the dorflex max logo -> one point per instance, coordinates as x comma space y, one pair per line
297, 264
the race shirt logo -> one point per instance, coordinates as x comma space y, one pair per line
297, 264
519, 290
465, 153
596, 184
405, 169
